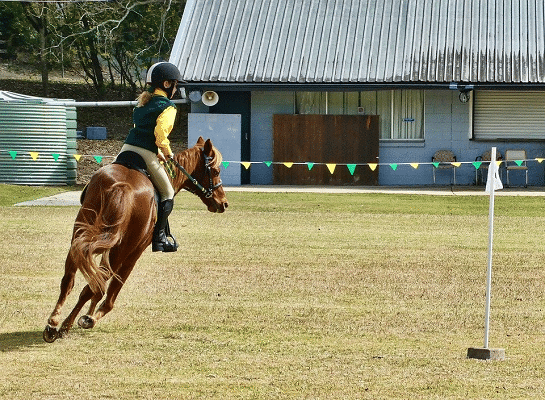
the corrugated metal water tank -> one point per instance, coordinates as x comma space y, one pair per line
37, 141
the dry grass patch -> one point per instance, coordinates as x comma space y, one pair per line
289, 296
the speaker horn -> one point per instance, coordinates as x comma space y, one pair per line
210, 98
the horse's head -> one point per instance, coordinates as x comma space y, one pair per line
203, 166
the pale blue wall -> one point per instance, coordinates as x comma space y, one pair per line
446, 127
264, 106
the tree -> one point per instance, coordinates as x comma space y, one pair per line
115, 38
37, 15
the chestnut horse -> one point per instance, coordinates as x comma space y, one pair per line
115, 224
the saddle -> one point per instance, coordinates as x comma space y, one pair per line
132, 160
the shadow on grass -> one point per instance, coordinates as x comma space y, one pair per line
13, 341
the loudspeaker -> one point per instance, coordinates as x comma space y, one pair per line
210, 98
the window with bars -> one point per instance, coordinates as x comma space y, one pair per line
401, 111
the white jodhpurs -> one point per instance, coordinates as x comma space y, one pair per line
159, 176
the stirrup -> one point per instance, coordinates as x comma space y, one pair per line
164, 243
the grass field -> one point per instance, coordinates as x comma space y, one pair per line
289, 296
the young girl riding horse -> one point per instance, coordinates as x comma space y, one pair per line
153, 120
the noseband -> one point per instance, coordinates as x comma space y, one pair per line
207, 192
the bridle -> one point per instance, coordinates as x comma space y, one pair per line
206, 192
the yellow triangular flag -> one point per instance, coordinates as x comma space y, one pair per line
456, 164
331, 168
77, 157
540, 160
246, 164
373, 166
33, 154
498, 163
415, 165
288, 164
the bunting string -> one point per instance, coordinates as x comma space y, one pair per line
332, 167
373, 166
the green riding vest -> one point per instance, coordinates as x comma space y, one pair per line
144, 118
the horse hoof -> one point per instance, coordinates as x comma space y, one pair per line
86, 322
50, 334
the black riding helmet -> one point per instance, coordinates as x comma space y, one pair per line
161, 72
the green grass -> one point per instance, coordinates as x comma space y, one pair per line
13, 194
289, 295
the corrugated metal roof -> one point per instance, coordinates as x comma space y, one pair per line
6, 96
362, 41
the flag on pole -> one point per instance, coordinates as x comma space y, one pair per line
493, 177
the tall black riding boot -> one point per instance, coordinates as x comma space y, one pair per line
160, 241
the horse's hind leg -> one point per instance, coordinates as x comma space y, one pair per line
85, 321
67, 283
85, 295
117, 282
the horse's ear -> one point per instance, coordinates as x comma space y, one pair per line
200, 141
208, 147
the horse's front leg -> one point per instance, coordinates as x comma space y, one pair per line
50, 333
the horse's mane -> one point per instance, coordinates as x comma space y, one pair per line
217, 158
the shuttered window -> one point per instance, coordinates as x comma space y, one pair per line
508, 115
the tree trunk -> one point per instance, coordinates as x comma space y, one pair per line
43, 60
38, 20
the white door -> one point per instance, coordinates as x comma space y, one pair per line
224, 130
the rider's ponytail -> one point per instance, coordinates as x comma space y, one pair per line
144, 97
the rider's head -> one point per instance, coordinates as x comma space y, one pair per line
165, 76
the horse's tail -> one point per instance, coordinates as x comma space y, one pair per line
94, 237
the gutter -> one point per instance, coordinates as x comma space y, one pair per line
69, 103
345, 87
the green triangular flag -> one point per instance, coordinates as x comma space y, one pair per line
225, 164
477, 164
13, 154
393, 166
267, 163
435, 164
56, 156
351, 168
98, 159
310, 165
519, 162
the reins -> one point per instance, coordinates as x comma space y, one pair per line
207, 192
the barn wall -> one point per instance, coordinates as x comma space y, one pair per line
447, 122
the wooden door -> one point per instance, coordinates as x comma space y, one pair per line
334, 139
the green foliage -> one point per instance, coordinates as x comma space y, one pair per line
14, 29
110, 43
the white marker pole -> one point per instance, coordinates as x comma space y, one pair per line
491, 184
